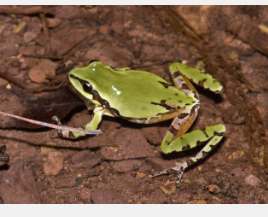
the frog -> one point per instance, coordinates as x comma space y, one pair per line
145, 98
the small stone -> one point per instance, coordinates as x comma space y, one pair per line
140, 175
53, 22
238, 172
38, 73
54, 163
252, 180
214, 189
3, 82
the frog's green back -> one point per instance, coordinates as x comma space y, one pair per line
134, 94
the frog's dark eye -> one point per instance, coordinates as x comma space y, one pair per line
87, 87
91, 61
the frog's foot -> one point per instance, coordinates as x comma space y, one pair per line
61, 133
178, 170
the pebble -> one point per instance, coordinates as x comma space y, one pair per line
214, 189
252, 180
54, 163
3, 82
238, 172
38, 73
53, 22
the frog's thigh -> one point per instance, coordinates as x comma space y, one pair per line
193, 139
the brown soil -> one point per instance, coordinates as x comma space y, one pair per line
113, 167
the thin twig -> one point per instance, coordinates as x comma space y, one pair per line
48, 50
12, 80
89, 132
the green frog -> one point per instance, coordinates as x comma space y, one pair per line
145, 98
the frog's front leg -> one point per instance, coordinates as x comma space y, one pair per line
212, 135
92, 125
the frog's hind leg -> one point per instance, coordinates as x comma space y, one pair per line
197, 76
185, 119
211, 134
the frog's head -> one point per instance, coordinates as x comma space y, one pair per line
83, 81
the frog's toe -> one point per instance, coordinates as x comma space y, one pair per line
178, 170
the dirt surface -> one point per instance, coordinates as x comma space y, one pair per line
232, 42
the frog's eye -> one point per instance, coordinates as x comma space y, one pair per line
87, 87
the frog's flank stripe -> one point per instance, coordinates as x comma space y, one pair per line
105, 104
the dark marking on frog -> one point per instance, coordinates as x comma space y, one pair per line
163, 104
201, 83
173, 130
187, 147
183, 115
166, 85
176, 74
185, 86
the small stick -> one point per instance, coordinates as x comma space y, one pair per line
72, 129
12, 80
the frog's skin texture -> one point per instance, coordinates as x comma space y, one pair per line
146, 98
